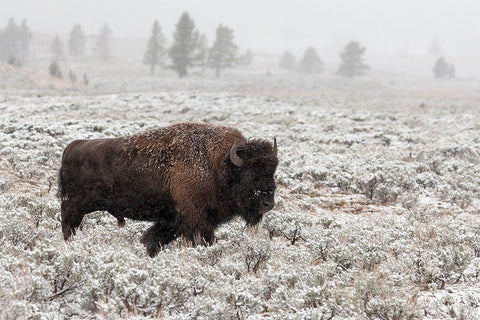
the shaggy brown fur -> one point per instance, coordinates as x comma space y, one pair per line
181, 177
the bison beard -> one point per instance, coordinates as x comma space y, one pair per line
187, 178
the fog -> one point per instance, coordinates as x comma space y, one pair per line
375, 105
384, 27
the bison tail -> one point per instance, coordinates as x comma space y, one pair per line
62, 193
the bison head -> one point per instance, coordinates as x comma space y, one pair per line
253, 164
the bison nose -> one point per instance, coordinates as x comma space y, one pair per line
267, 205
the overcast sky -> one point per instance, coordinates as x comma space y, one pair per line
271, 26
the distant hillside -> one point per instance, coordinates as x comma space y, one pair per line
12, 77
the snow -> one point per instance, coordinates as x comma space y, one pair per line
376, 216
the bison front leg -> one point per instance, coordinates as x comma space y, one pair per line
205, 238
121, 221
192, 196
161, 233
197, 231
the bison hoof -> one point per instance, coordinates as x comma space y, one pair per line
121, 222
152, 248
152, 245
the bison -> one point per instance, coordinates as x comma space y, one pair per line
187, 178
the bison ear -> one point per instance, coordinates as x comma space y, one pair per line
275, 150
236, 160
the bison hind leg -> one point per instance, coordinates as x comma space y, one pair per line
71, 219
161, 233
67, 232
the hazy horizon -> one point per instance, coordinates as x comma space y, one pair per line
408, 27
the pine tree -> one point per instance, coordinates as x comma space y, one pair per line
352, 64
442, 69
155, 53
201, 56
54, 69
223, 52
14, 42
103, 43
310, 62
287, 61
25, 35
185, 43
76, 41
9, 46
57, 48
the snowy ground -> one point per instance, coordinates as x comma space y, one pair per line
377, 212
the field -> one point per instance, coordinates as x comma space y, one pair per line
377, 213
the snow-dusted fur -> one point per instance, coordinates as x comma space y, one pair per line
181, 177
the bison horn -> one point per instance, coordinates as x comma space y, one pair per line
275, 150
236, 160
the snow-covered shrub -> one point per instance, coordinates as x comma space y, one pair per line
256, 255
376, 299
19, 232
343, 180
375, 219
5, 184
286, 225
